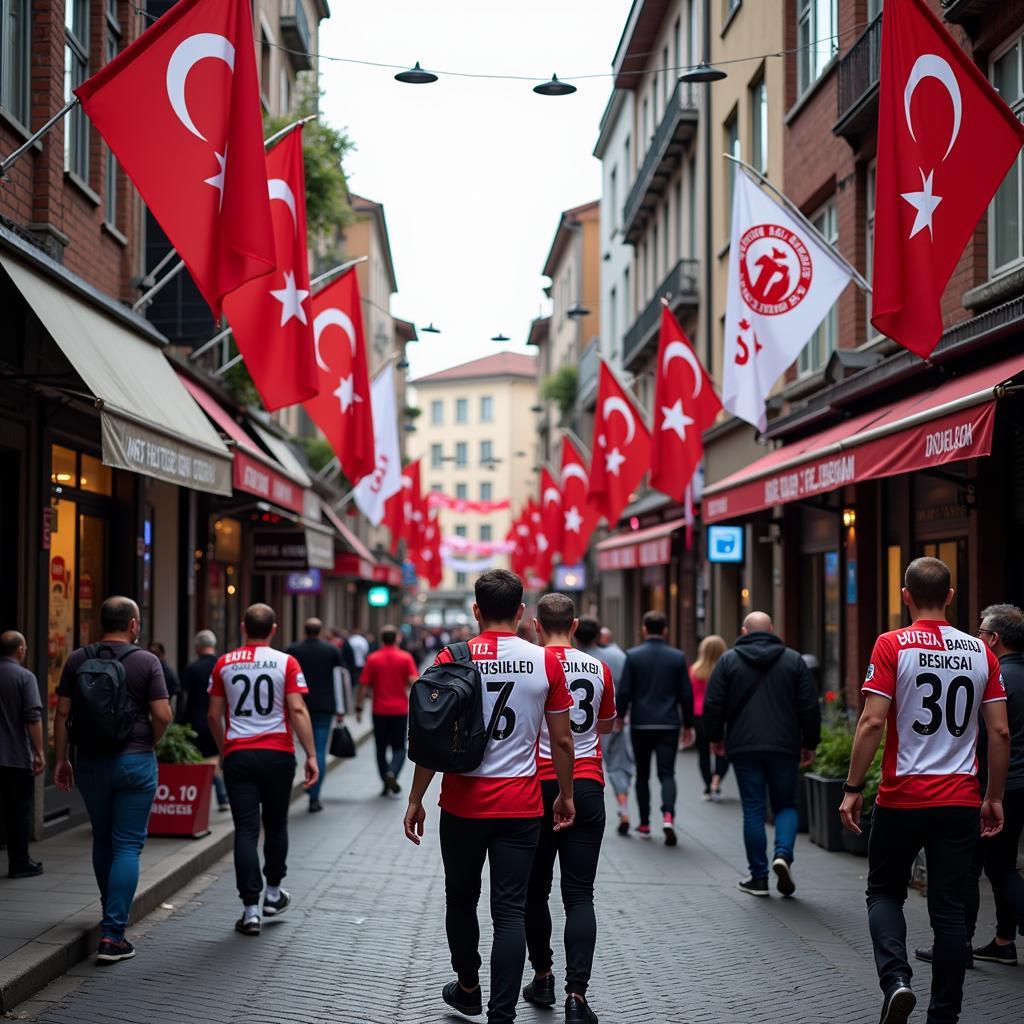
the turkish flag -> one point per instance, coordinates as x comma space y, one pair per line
397, 506
180, 109
621, 449
342, 408
427, 556
551, 512
945, 143
685, 405
521, 534
270, 316
578, 515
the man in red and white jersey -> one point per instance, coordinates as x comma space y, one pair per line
256, 699
577, 848
924, 686
495, 812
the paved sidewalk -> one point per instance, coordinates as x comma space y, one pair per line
364, 941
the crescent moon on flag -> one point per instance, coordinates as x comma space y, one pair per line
930, 65
188, 53
574, 469
332, 317
619, 405
280, 189
552, 495
677, 350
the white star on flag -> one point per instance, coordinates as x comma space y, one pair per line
573, 520
613, 461
291, 299
675, 419
925, 202
217, 181
343, 393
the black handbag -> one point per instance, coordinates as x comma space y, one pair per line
342, 744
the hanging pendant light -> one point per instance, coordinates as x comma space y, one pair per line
702, 73
430, 329
554, 88
499, 337
416, 76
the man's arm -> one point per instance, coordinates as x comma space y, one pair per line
63, 773
32, 715
160, 716
994, 713
415, 815
35, 735
810, 715
686, 703
865, 746
563, 756
299, 715
623, 692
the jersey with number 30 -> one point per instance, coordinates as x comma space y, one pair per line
254, 682
936, 678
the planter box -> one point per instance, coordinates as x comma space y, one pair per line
858, 845
182, 804
824, 797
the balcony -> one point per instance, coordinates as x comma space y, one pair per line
586, 380
858, 85
680, 288
296, 36
674, 134
967, 12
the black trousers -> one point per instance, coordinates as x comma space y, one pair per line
16, 802
997, 857
708, 769
389, 736
948, 836
508, 844
259, 784
578, 849
663, 744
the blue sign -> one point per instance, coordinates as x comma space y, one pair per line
725, 544
570, 577
307, 582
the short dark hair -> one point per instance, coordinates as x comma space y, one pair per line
556, 613
928, 580
158, 649
1008, 621
388, 635
655, 623
10, 641
587, 631
116, 614
313, 627
259, 621
499, 593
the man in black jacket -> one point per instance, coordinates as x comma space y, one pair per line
761, 700
655, 693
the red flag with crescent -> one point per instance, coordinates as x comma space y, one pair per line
578, 515
551, 514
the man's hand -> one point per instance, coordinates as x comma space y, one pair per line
619, 725
850, 810
415, 816
312, 771
806, 758
564, 812
64, 776
688, 736
38, 763
718, 749
991, 818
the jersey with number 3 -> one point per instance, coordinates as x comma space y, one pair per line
254, 682
521, 682
937, 679
593, 701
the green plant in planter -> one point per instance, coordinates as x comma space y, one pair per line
833, 754
176, 746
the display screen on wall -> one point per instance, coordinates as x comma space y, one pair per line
725, 544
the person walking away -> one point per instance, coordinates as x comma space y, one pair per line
656, 698
710, 650
388, 672
359, 651
577, 848
194, 703
761, 710
21, 752
924, 686
321, 666
494, 813
257, 697
112, 707
170, 676
616, 753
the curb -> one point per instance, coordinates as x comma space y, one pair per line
32, 967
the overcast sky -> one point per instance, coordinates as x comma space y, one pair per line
472, 174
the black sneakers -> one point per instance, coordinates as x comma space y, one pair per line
541, 991
248, 926
465, 1002
28, 869
273, 907
623, 827
899, 1003
315, 807
993, 953
111, 952
784, 876
578, 1011
391, 783
754, 886
925, 953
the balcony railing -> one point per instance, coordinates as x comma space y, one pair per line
963, 12
586, 381
681, 290
298, 40
678, 127
858, 84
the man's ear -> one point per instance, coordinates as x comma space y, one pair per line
572, 628
520, 614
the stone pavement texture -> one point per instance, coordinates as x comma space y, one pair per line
364, 939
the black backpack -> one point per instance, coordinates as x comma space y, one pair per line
102, 711
446, 715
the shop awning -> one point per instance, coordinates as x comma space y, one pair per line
633, 549
149, 423
357, 562
947, 424
254, 472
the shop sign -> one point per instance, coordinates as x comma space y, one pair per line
279, 550
353, 566
634, 556
182, 803
253, 477
390, 574
378, 597
319, 549
308, 582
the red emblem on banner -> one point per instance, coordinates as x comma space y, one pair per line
775, 269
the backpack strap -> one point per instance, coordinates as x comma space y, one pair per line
460, 651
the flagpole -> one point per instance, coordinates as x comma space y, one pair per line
793, 209
7, 163
143, 301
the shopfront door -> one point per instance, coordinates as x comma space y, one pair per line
954, 553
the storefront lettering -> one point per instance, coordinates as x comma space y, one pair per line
716, 507
952, 439
823, 476
164, 461
255, 482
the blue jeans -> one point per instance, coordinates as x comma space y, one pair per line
776, 774
118, 793
322, 722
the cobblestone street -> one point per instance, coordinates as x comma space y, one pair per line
364, 939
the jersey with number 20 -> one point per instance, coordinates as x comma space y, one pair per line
254, 682
936, 678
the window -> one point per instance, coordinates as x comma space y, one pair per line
110, 177
874, 9
286, 92
437, 412
486, 409
486, 532
436, 488
680, 228
644, 133
460, 531
665, 74
486, 490
264, 67
14, 58
461, 491
486, 452
691, 209
626, 163
665, 257
436, 456
461, 410
817, 39
461, 455
654, 253
76, 71
613, 202
1006, 243
823, 342
759, 125
733, 146
461, 579
613, 317
677, 48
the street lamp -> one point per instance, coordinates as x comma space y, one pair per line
430, 329
554, 88
577, 309
703, 74
416, 76
499, 337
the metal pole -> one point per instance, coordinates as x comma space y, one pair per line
171, 274
709, 269
6, 164
233, 361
